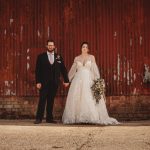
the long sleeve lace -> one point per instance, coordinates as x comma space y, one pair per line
95, 69
72, 70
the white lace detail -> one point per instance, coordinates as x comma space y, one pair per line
80, 104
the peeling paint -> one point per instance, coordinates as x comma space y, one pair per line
128, 73
118, 67
131, 73
146, 78
115, 77
28, 50
124, 64
134, 76
28, 66
38, 32
134, 91
21, 33
13, 93
115, 35
8, 91
13, 35
124, 74
141, 39
11, 20
6, 83
130, 41
28, 57
126, 44
5, 31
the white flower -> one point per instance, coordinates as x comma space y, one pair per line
58, 57
98, 89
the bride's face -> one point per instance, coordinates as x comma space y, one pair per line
84, 48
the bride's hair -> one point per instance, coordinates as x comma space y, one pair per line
84, 43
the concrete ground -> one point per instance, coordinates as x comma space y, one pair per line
24, 135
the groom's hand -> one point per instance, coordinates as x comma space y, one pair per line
65, 84
39, 85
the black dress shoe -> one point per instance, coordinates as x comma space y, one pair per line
37, 121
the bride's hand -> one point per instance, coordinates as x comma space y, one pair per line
65, 84
39, 85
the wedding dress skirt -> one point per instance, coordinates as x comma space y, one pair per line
81, 106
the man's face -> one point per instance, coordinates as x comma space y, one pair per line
50, 46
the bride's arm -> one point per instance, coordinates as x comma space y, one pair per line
95, 69
72, 70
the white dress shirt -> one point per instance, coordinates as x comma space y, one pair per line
50, 57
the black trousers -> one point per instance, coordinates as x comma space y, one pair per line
47, 95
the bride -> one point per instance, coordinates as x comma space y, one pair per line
80, 106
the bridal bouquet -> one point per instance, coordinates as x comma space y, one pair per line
98, 89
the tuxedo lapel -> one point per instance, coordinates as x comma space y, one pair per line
55, 55
46, 56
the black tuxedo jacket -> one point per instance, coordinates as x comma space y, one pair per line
47, 73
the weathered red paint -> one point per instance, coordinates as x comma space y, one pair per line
117, 31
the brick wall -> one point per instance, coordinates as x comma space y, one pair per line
129, 107
120, 107
25, 107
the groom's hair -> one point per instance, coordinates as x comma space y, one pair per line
50, 40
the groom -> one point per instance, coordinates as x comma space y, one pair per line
49, 66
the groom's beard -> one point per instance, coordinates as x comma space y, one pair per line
50, 50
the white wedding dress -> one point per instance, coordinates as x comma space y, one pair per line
81, 107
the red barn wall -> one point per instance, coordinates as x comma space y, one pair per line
118, 35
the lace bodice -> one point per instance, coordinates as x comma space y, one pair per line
88, 62
81, 106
